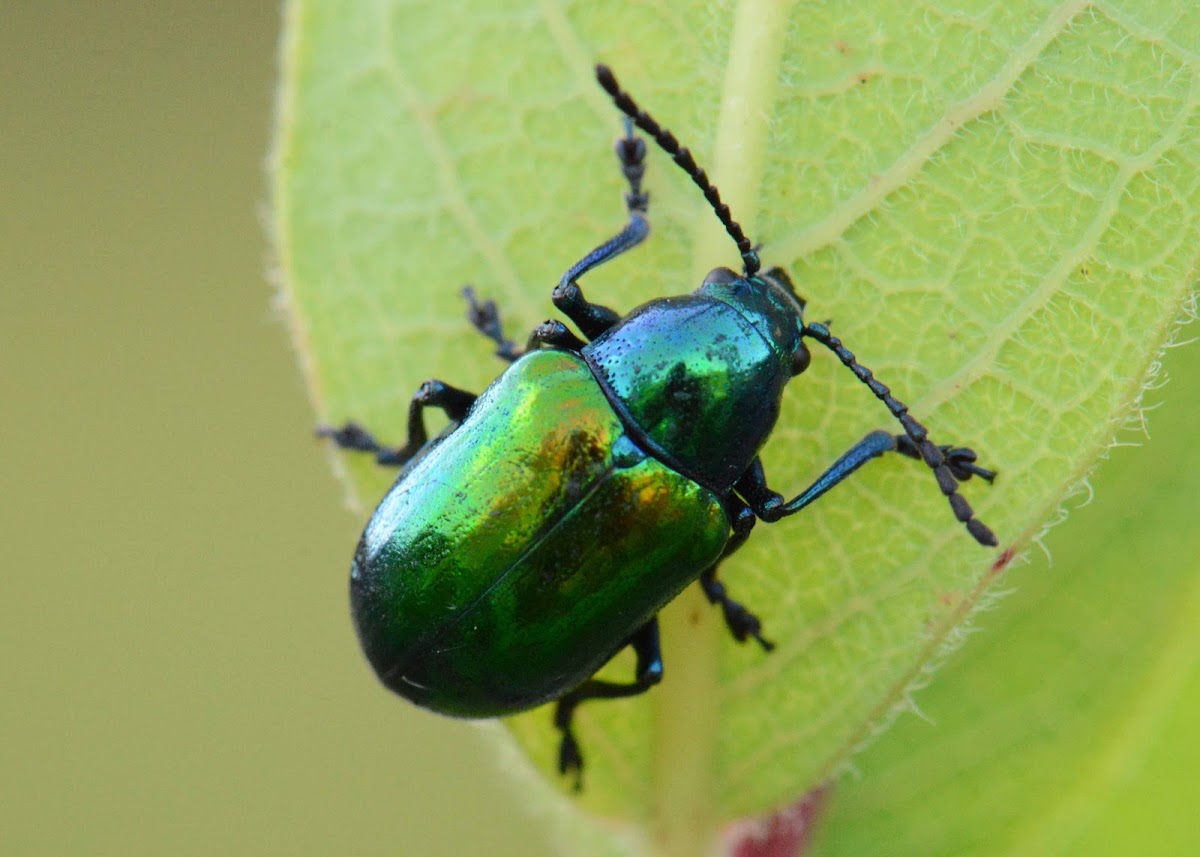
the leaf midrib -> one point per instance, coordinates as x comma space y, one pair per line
685, 815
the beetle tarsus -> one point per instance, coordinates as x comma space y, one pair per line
485, 318
631, 152
683, 157
353, 436
741, 622
960, 459
570, 757
349, 436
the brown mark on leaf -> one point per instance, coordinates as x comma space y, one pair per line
1003, 560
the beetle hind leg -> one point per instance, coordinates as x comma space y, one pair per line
433, 393
645, 644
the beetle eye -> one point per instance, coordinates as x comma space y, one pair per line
720, 277
800, 359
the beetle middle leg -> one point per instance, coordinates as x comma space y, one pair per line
593, 319
433, 393
741, 622
649, 672
485, 318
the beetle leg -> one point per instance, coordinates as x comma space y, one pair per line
433, 393
740, 621
645, 644
593, 319
769, 506
485, 318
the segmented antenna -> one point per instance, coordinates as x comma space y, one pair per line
683, 157
930, 453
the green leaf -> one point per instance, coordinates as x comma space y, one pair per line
996, 204
1068, 727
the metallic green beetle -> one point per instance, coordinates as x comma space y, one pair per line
541, 532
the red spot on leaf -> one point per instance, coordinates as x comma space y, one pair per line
786, 833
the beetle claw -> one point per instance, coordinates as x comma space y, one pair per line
570, 759
767, 645
961, 461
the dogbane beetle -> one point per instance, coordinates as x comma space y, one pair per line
541, 532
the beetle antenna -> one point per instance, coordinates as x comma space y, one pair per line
930, 453
666, 140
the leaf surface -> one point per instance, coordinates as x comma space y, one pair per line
1067, 726
996, 204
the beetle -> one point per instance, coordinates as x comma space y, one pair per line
544, 528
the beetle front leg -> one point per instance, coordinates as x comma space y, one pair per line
960, 459
593, 319
769, 505
645, 644
432, 394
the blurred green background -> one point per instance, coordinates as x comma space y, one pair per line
180, 673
